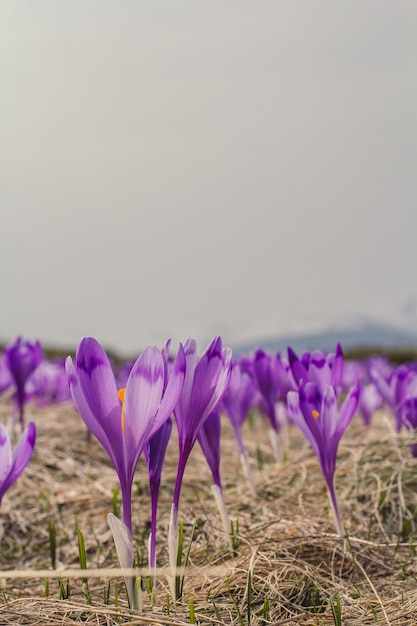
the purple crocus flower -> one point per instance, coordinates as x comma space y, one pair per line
370, 400
240, 396
125, 420
206, 379
272, 376
154, 453
12, 463
393, 390
22, 358
49, 383
318, 368
323, 424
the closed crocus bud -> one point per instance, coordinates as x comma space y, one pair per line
22, 358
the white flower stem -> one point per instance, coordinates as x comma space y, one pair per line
173, 548
248, 472
221, 505
276, 445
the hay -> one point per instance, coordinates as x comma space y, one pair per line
286, 539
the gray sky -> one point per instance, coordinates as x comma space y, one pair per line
188, 168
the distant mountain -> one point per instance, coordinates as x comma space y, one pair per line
367, 334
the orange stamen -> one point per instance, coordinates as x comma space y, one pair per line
315, 414
121, 396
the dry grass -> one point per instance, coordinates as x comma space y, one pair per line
286, 539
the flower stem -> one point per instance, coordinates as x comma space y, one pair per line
127, 504
154, 489
335, 507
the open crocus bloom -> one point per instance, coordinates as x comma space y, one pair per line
323, 424
318, 368
124, 421
12, 463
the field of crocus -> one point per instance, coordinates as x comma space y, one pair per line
193, 486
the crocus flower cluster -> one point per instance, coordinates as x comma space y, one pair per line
133, 411
136, 419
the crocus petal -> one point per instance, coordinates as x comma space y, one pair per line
298, 370
5, 453
93, 424
205, 379
348, 408
173, 389
337, 368
319, 370
143, 396
97, 380
191, 358
310, 401
154, 451
20, 457
295, 414
327, 420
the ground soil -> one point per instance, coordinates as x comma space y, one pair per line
287, 565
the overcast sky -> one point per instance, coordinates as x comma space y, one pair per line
189, 168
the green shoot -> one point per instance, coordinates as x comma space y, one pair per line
265, 612
115, 502
336, 611
234, 532
106, 593
116, 594
83, 564
192, 614
64, 590
179, 579
249, 597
